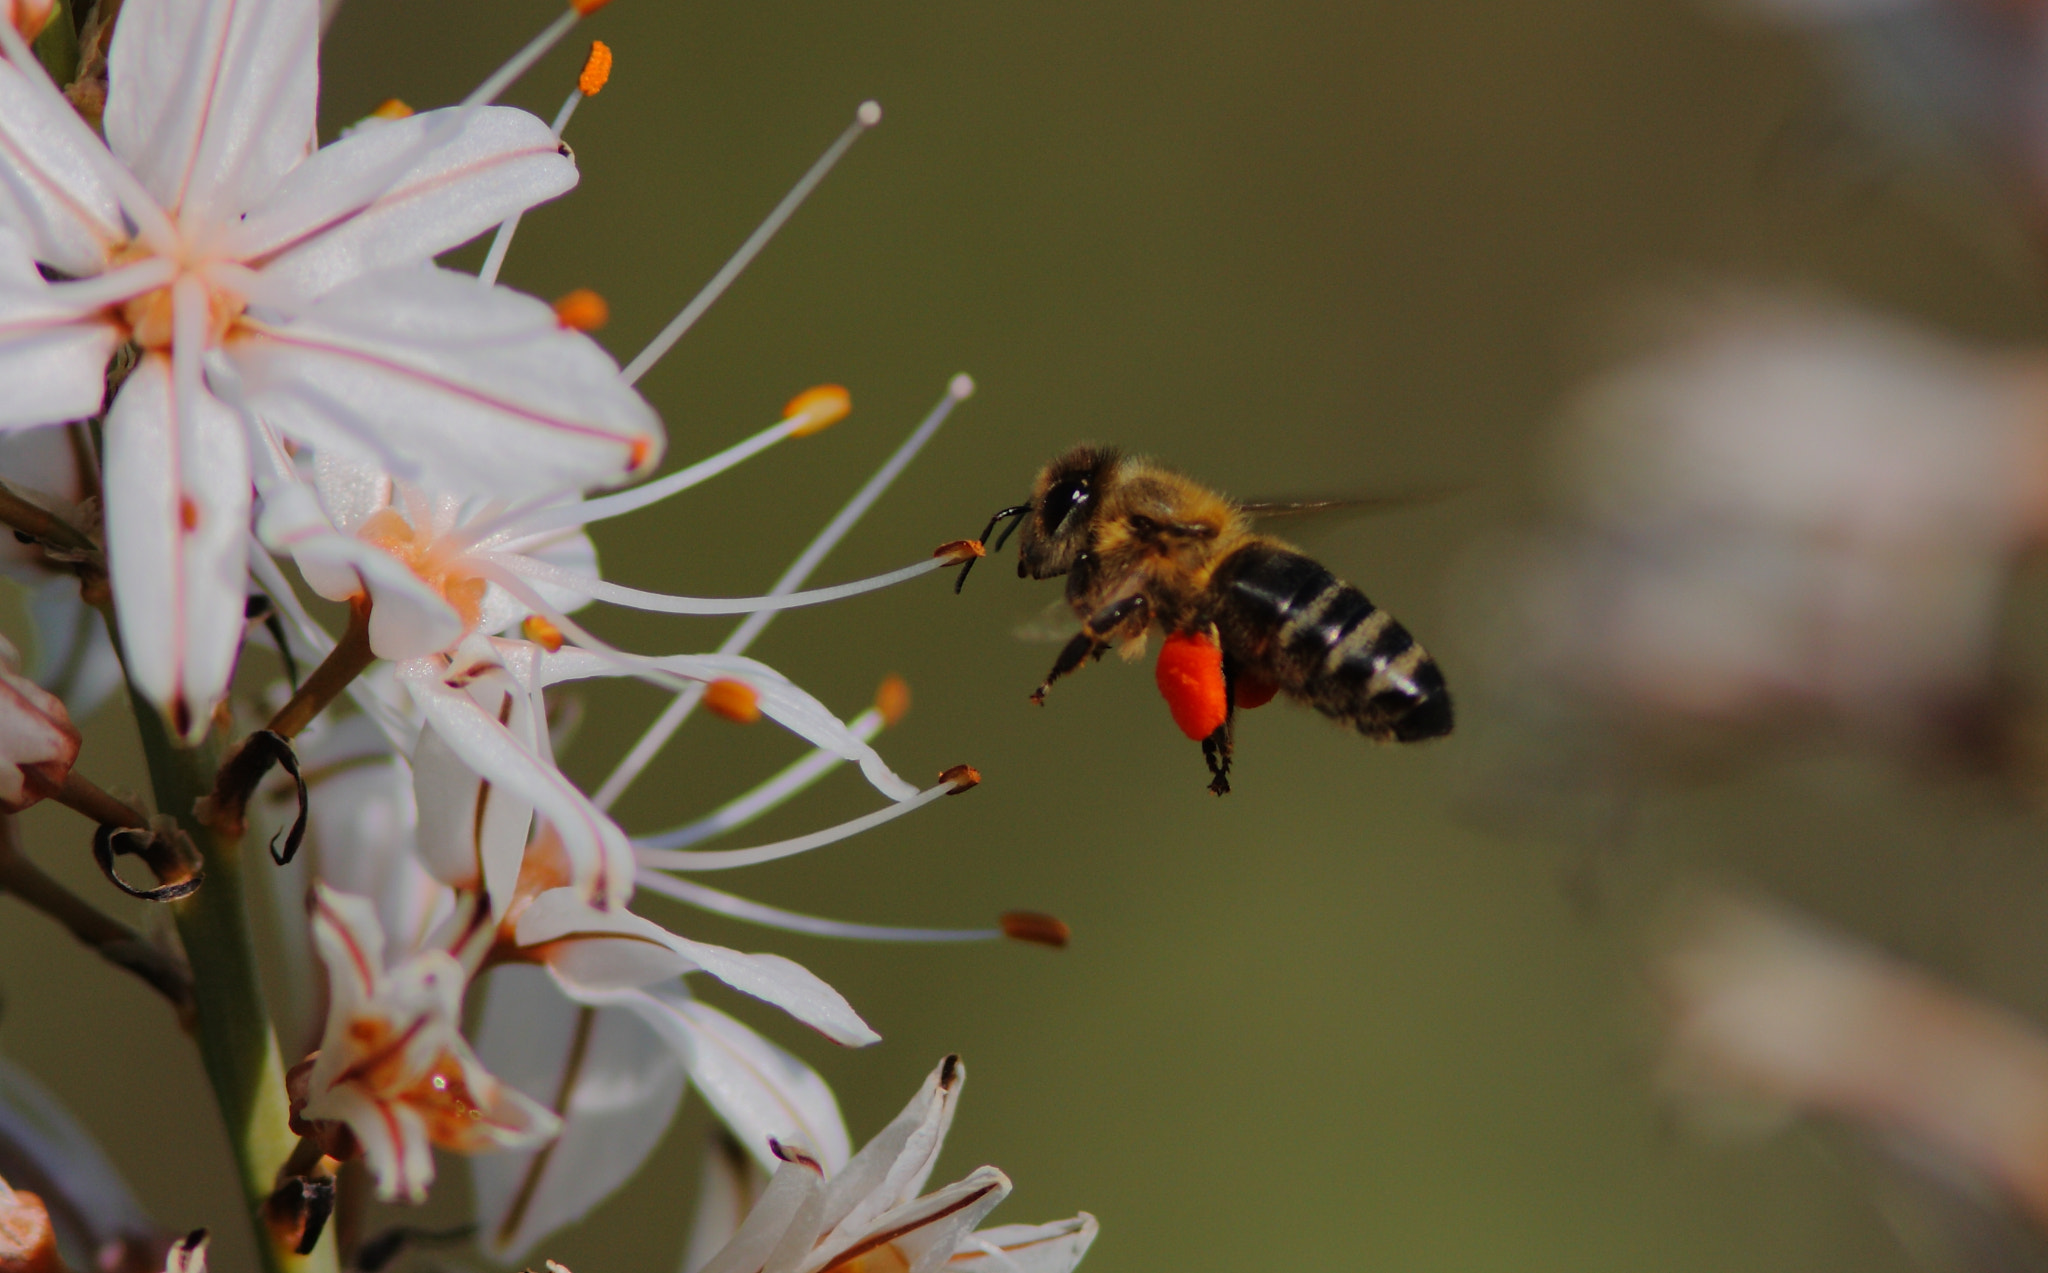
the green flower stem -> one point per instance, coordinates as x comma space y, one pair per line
236, 1042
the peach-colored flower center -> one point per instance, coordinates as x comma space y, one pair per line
426, 556
148, 316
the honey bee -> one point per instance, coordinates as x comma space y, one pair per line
1245, 615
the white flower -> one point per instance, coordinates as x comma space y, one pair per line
393, 1065
261, 278
870, 1215
1770, 1014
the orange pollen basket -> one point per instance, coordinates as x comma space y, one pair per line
387, 529
1190, 675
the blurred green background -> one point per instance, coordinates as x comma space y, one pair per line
1292, 248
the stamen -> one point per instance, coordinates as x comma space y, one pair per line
727, 859
597, 70
821, 407
1037, 929
891, 702
719, 902
947, 556
865, 118
958, 390
542, 633
736, 701
528, 523
582, 310
391, 108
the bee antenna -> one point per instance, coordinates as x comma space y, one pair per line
1011, 515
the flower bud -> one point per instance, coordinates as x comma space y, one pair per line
37, 740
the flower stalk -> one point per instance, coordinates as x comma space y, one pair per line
229, 1020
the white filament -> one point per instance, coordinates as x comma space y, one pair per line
740, 810
662, 603
722, 903
867, 117
727, 859
678, 710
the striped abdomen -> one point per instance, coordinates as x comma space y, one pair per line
1284, 617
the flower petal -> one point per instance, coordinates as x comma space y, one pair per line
456, 387
923, 1232
597, 849
394, 1141
623, 963
784, 1216
178, 534
623, 1092
757, 1089
503, 162
472, 832
351, 944
210, 102
53, 355
50, 188
1027, 1248
726, 1190
890, 1169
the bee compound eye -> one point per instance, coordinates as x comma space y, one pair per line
1062, 501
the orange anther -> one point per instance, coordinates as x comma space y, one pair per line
737, 701
188, 513
642, 453
542, 633
391, 108
819, 408
1039, 930
963, 778
892, 699
582, 310
956, 551
597, 68
584, 8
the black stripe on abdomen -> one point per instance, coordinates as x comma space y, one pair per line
1325, 642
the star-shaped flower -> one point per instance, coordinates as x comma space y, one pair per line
393, 1065
870, 1214
263, 279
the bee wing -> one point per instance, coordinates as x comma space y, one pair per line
1056, 622
1321, 507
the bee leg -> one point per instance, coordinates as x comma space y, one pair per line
1216, 750
1091, 640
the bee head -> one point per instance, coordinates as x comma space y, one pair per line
1063, 507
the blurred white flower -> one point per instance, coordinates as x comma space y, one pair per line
263, 278
1798, 514
393, 1066
869, 1214
1766, 1013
